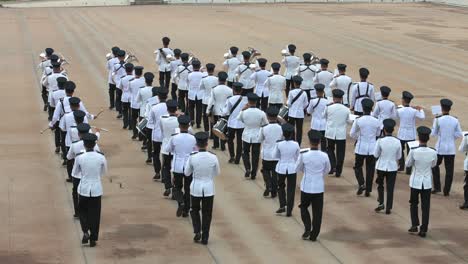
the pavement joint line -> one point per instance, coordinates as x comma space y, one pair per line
27, 37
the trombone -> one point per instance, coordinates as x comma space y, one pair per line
253, 54
130, 57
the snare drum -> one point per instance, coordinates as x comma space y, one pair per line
283, 114
220, 129
141, 126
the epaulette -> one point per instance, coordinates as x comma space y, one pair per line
415, 147
164, 116
432, 148
80, 153
100, 153
280, 140
304, 150
49, 74
271, 75
265, 125
193, 153
131, 79
380, 100
329, 71
174, 134
330, 104
205, 76
211, 152
123, 76
438, 116
142, 86
466, 134
75, 141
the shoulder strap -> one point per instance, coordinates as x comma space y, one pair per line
318, 102
246, 68
235, 105
297, 97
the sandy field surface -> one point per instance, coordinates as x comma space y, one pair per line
417, 47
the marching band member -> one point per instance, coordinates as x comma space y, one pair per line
269, 135
202, 166
142, 97
324, 76
307, 71
407, 129
42, 66
231, 64
76, 149
421, 159
233, 107
124, 86
337, 116
243, 73
361, 90
365, 130
164, 64
253, 119
51, 83
464, 148
174, 64
110, 80
154, 118
260, 77
287, 153
92, 166
387, 152
58, 96
342, 82
135, 86
447, 129
195, 94
73, 134
385, 108
317, 108
276, 84
218, 99
315, 165
291, 63
119, 72
181, 145
207, 84
152, 101
168, 125
181, 78
297, 103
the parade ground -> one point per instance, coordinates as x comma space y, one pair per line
421, 48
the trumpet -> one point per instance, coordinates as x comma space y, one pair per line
167, 57
315, 59
253, 53
130, 58
62, 59
42, 56
191, 58
109, 56
228, 55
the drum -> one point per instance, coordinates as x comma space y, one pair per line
283, 114
220, 129
141, 126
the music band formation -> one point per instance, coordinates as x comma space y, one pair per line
259, 114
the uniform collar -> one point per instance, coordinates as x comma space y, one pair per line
314, 149
202, 150
90, 150
183, 131
423, 145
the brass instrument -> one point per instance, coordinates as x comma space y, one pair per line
192, 58
62, 60
129, 57
167, 57
42, 56
228, 55
109, 56
285, 52
253, 53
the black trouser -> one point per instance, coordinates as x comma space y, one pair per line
164, 79
195, 111
166, 171
270, 176
262, 103
308, 95
370, 169
298, 122
70, 164
174, 91
216, 141
276, 105
118, 100
63, 147
287, 199
251, 161
76, 182
425, 207
182, 190
316, 201
57, 135
112, 89
404, 144
182, 101
135, 113
246, 91
323, 142
237, 134
465, 187
202, 224
156, 159
50, 112
206, 121
389, 178
126, 114
336, 161
90, 215
449, 162
45, 95
149, 145
288, 87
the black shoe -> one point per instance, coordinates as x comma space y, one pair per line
76, 216
413, 229
446, 194
92, 243
156, 176
134, 137
198, 126
180, 209
379, 208
247, 174
119, 116
464, 206
57, 150
422, 234
197, 237
124, 127
64, 163
360, 190
273, 195
231, 160
281, 210
288, 214
204, 242
68, 180
149, 161
236, 162
111, 107
313, 238
332, 171
367, 194
435, 191
253, 177
266, 193
45, 108
144, 147
167, 192
338, 174
306, 235
388, 211
184, 214
85, 239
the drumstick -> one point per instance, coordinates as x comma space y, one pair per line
100, 128
98, 114
44, 130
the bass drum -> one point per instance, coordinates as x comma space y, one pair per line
141, 126
283, 114
220, 129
